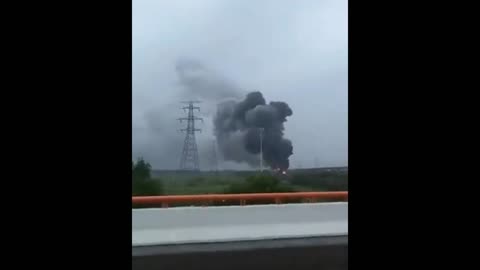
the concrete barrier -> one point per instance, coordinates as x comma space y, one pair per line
291, 236
186, 225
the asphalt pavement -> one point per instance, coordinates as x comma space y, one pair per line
304, 254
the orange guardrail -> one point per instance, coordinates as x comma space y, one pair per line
165, 201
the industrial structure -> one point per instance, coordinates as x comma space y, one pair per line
189, 159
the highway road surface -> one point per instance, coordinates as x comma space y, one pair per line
293, 236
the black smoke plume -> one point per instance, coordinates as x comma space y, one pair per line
238, 126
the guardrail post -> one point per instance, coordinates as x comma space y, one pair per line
243, 202
207, 203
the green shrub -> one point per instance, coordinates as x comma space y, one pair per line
259, 184
197, 181
142, 183
325, 181
147, 187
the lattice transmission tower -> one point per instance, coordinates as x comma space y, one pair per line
189, 160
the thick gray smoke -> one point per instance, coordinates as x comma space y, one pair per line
200, 82
236, 123
238, 126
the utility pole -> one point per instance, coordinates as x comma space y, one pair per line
189, 160
214, 158
261, 149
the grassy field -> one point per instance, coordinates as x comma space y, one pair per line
180, 183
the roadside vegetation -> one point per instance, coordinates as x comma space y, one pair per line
148, 183
142, 182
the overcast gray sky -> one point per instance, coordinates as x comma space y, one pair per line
291, 51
